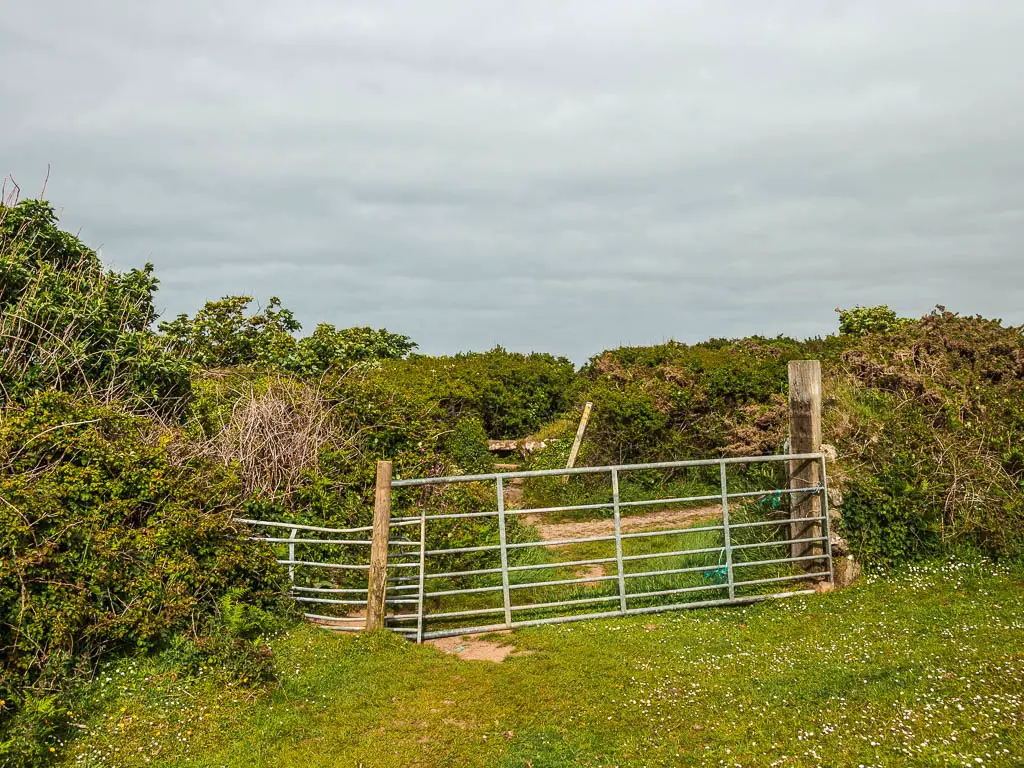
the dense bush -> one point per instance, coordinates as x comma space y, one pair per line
67, 323
861, 320
926, 416
929, 422
627, 426
467, 445
404, 402
108, 546
679, 401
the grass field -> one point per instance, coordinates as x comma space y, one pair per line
925, 668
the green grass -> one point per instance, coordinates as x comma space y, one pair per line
923, 669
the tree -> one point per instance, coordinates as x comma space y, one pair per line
861, 320
221, 335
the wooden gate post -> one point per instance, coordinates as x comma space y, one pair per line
804, 437
379, 548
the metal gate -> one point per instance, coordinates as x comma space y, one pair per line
755, 543
315, 554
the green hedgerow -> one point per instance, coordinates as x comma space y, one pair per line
108, 546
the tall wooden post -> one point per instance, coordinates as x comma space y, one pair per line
804, 437
379, 548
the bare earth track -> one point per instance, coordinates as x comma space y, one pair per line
668, 518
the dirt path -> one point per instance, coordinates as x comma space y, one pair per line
668, 518
572, 529
474, 648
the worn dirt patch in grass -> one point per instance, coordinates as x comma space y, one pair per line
472, 648
590, 572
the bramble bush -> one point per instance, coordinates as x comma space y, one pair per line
109, 547
69, 324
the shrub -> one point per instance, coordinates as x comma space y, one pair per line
626, 426
67, 323
406, 404
108, 547
925, 415
884, 521
271, 428
862, 320
467, 445
694, 401
926, 422
222, 334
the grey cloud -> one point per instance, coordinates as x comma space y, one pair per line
562, 176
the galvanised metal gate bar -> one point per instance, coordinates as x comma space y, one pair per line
352, 599
407, 584
817, 525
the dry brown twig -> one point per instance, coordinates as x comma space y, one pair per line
274, 433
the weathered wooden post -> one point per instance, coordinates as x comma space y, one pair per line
804, 437
379, 548
579, 439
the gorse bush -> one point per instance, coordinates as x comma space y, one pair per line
929, 422
926, 416
674, 400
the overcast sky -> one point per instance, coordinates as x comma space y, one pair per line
554, 175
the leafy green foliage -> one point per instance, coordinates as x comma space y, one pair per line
467, 445
675, 400
627, 425
67, 323
329, 348
222, 334
926, 420
861, 320
516, 393
405, 405
110, 547
925, 415
882, 516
